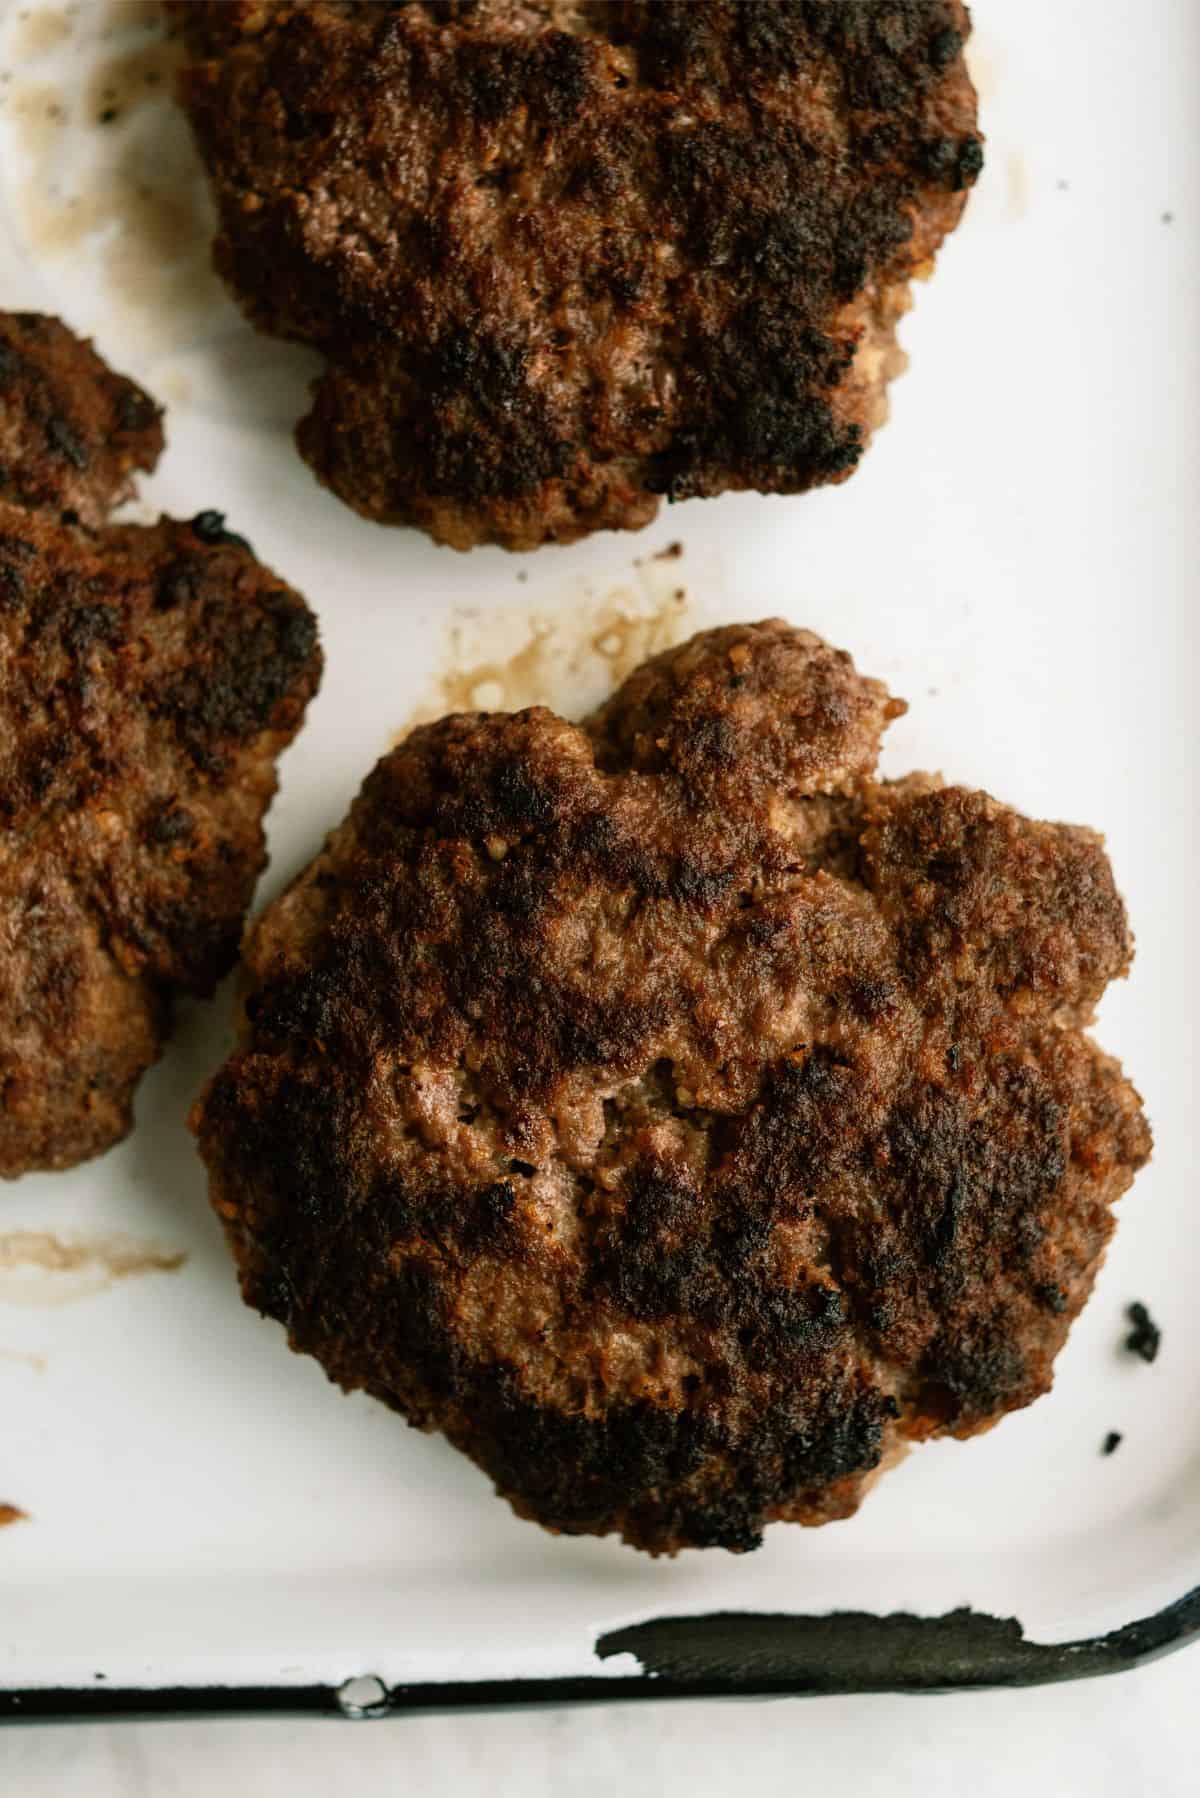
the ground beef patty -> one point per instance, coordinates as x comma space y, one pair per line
149, 676
72, 433
567, 256
672, 1114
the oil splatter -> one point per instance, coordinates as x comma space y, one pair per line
38, 1268
173, 387
36, 33
12, 1514
122, 83
569, 660
130, 15
38, 117
105, 183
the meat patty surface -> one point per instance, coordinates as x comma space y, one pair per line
674, 1115
565, 257
149, 677
72, 433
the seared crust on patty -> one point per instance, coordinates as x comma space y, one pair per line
567, 256
675, 1116
72, 432
149, 677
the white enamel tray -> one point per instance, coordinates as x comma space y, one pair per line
209, 1523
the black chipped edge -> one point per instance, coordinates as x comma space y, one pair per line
742, 1654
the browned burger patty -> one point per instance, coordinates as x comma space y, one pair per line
675, 1116
149, 677
72, 432
567, 256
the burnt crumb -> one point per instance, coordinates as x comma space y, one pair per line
756, 261
210, 528
107, 115
151, 679
671, 553
1145, 1338
1111, 1443
726, 1132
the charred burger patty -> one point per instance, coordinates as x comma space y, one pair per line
564, 257
149, 677
674, 1115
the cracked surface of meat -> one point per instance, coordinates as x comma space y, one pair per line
149, 677
675, 1115
567, 257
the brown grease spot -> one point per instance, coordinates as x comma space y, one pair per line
985, 64
108, 177
131, 15
125, 81
12, 1514
568, 661
39, 115
39, 1268
37, 33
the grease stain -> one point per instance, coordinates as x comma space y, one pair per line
570, 659
40, 1268
105, 184
37, 33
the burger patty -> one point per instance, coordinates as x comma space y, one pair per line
72, 433
676, 1116
149, 677
564, 257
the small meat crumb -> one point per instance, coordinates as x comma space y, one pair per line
1145, 1337
1112, 1443
12, 1514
